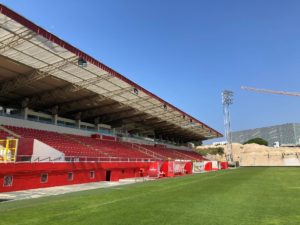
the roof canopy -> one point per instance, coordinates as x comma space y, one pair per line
43, 72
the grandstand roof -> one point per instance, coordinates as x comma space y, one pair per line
45, 73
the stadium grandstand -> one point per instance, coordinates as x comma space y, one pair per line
67, 118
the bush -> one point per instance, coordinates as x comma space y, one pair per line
258, 141
211, 151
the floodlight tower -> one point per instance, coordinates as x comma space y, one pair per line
227, 100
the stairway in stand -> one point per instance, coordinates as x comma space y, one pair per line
144, 150
74, 138
180, 152
5, 130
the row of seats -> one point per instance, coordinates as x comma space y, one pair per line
56, 140
3, 134
174, 153
111, 148
81, 146
193, 155
168, 153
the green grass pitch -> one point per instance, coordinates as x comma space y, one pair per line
249, 196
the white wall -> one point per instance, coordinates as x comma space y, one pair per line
215, 164
42, 151
291, 162
42, 126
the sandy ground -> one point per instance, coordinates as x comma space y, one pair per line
258, 155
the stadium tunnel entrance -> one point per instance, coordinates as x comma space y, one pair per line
108, 174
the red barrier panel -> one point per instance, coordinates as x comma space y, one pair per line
154, 169
170, 172
224, 165
164, 169
167, 169
207, 166
215, 165
172, 168
179, 168
188, 168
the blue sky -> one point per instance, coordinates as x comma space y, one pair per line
187, 52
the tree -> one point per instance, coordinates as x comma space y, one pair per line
258, 141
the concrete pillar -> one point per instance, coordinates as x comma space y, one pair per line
98, 127
24, 113
78, 119
55, 118
78, 122
96, 122
24, 105
54, 111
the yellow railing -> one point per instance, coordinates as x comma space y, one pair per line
8, 150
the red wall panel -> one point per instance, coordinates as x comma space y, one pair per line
28, 175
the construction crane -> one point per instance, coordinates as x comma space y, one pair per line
295, 94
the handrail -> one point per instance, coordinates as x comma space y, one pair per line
185, 155
146, 151
36, 158
44, 159
56, 159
